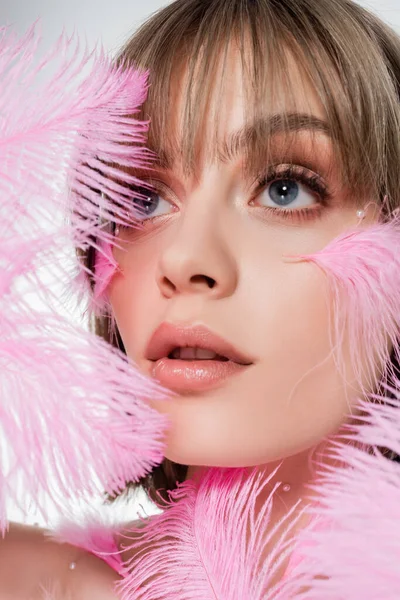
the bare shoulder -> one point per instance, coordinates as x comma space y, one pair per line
34, 567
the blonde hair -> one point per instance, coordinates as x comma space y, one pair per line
350, 56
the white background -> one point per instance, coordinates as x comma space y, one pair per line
112, 22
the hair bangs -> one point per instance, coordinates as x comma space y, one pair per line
188, 52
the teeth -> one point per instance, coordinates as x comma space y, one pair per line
193, 353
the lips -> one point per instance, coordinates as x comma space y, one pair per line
198, 374
167, 337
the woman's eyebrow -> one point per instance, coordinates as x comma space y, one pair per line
245, 138
264, 128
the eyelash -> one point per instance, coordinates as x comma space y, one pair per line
276, 173
302, 175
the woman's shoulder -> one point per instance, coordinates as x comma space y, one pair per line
34, 567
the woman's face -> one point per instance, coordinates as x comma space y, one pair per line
226, 228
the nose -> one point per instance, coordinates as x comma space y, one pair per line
199, 255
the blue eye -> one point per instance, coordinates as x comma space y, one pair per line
289, 188
284, 191
150, 205
287, 194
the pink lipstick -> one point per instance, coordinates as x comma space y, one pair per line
193, 358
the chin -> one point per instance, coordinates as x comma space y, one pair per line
223, 458
236, 453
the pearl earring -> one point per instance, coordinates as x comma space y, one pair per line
116, 231
361, 214
286, 487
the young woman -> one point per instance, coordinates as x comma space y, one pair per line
275, 126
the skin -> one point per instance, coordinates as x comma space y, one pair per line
34, 566
287, 403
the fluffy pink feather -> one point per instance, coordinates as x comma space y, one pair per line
198, 545
357, 553
74, 420
363, 269
105, 268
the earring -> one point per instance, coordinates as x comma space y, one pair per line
361, 214
116, 231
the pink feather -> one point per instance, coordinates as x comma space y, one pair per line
74, 420
358, 550
363, 270
198, 545
105, 268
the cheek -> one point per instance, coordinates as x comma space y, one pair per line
303, 397
135, 300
